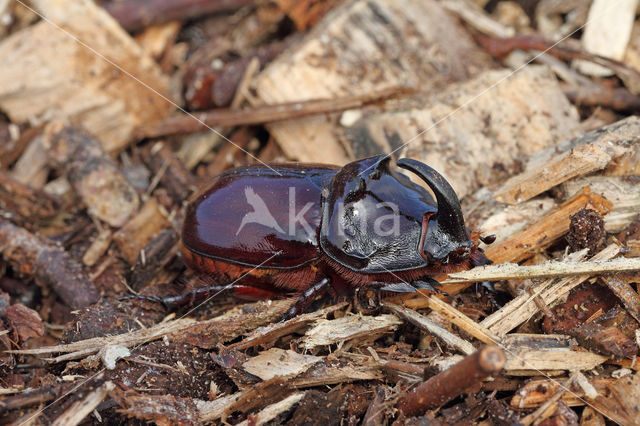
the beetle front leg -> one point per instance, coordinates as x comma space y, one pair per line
306, 298
190, 298
202, 294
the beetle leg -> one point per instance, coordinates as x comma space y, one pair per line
428, 284
185, 299
306, 298
155, 299
487, 288
400, 287
199, 295
366, 304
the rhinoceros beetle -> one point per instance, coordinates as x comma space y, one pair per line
301, 228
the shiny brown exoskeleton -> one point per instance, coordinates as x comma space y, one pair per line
297, 228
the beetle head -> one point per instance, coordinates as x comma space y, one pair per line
446, 232
367, 193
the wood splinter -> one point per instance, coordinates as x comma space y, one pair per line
447, 385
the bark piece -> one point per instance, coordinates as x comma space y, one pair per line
359, 36
32, 168
259, 396
305, 14
174, 175
548, 269
618, 99
590, 417
607, 341
71, 81
32, 397
157, 39
49, 264
157, 254
25, 321
556, 414
586, 231
479, 19
27, 204
500, 414
501, 47
205, 334
375, 413
536, 392
206, 87
278, 362
629, 297
97, 248
582, 304
617, 399
14, 142
94, 176
621, 403
210, 333
210, 411
586, 154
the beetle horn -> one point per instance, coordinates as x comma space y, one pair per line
449, 216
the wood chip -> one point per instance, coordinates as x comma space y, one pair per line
607, 32
77, 412
73, 82
523, 307
274, 410
546, 352
279, 362
507, 271
486, 110
327, 332
546, 230
433, 328
622, 191
183, 329
362, 34
593, 151
462, 321
137, 232
272, 332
